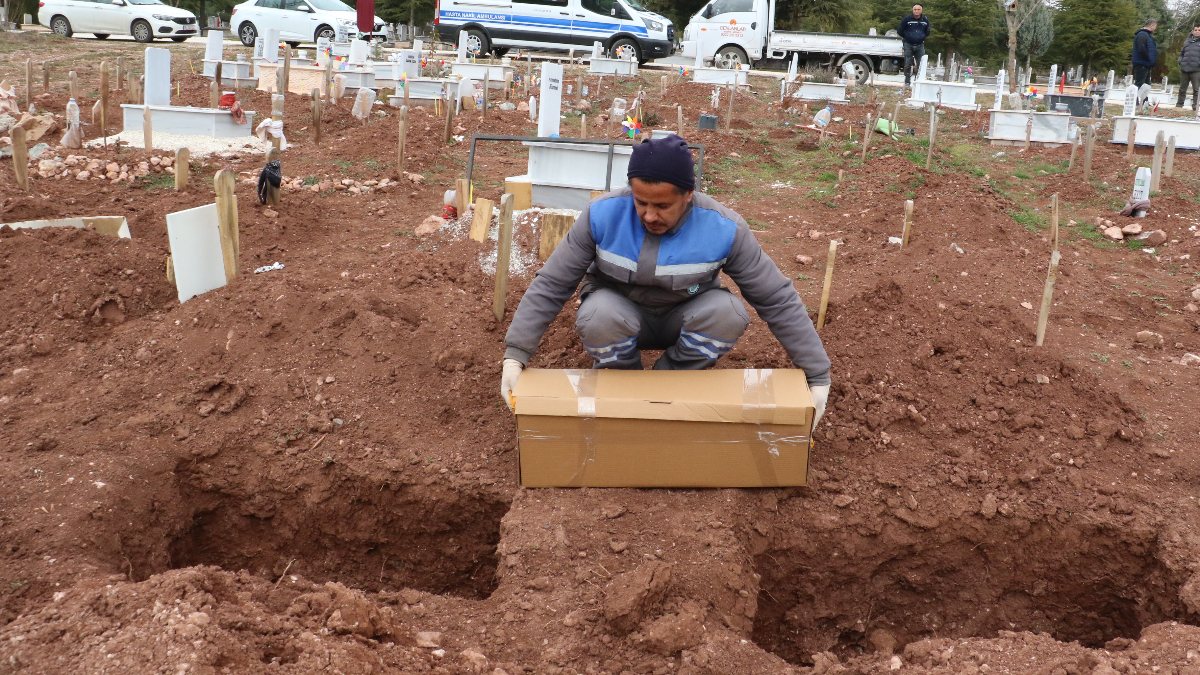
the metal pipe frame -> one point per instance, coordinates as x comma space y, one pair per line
611, 143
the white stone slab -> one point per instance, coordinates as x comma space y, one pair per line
461, 57
954, 94
1186, 131
195, 241
550, 98
604, 66
114, 226
478, 71
721, 76
214, 46
157, 90
819, 91
271, 45
1048, 127
209, 122
358, 52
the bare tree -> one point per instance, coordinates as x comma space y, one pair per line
1016, 13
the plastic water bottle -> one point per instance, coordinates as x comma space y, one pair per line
72, 112
822, 118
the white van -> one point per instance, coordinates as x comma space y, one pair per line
143, 19
296, 20
624, 27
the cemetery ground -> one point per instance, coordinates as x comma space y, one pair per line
310, 470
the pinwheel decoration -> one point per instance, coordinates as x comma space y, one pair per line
632, 126
403, 80
684, 72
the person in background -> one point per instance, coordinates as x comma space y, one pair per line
1145, 53
914, 28
1189, 65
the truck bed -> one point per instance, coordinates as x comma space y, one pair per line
841, 43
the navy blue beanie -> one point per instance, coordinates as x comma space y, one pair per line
665, 159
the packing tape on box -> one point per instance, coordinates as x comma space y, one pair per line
758, 396
584, 384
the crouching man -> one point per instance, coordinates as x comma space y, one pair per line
649, 257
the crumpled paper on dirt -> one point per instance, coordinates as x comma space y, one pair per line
1139, 205
275, 128
362, 103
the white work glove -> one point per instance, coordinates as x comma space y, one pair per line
512, 372
820, 396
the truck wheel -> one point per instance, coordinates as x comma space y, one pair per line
626, 49
731, 58
862, 69
477, 42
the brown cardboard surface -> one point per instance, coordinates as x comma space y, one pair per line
620, 428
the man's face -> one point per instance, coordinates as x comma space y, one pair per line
659, 205
1196, 32
1152, 27
917, 9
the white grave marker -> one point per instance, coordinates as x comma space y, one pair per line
792, 68
214, 45
323, 51
922, 72
999, 91
597, 50
462, 46
1141, 189
411, 61
342, 33
1131, 97
699, 58
259, 47
271, 45
532, 108
195, 241
551, 99
358, 52
1053, 78
157, 90
1109, 85
418, 46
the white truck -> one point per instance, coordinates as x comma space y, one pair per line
730, 33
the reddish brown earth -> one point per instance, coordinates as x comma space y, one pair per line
308, 469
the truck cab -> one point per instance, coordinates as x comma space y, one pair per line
733, 32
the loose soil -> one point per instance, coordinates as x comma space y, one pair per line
309, 469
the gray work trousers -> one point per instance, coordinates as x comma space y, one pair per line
694, 334
1194, 79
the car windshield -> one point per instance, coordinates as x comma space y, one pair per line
634, 4
145, 2
331, 5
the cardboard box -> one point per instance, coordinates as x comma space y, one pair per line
635, 428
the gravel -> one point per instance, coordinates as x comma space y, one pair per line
198, 146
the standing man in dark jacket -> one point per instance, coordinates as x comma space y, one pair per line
1145, 53
914, 28
1189, 65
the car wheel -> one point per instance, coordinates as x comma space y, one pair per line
731, 58
626, 49
61, 26
862, 70
326, 32
141, 31
477, 42
248, 34
101, 36
180, 38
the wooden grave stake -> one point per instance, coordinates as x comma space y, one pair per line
729, 115
662, 86
104, 102
503, 255
287, 69
462, 193
840, 174
554, 227
227, 222
214, 95
121, 72
182, 156
1029, 130
74, 84
578, 88
1089, 145
583, 125
1047, 298
449, 121
507, 85
276, 116
1054, 222
487, 76
1074, 150
679, 119
403, 139
327, 81
828, 283
130, 90
45, 77
908, 213
20, 157
1169, 161
29, 85
147, 129
272, 191
316, 115
1129, 140
1160, 146
481, 221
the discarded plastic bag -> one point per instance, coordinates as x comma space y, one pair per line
362, 103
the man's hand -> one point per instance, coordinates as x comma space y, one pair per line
512, 371
820, 396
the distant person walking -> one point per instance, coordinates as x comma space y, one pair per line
1189, 65
914, 28
1145, 53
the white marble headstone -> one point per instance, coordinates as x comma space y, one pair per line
158, 76
358, 51
551, 99
1141, 184
410, 60
597, 50
923, 71
532, 108
1109, 85
214, 45
271, 45
1131, 97
1053, 77
999, 91
418, 45
462, 46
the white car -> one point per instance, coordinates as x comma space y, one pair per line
296, 20
143, 19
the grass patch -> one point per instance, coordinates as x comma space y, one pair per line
1032, 220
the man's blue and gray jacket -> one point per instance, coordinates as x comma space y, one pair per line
608, 247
